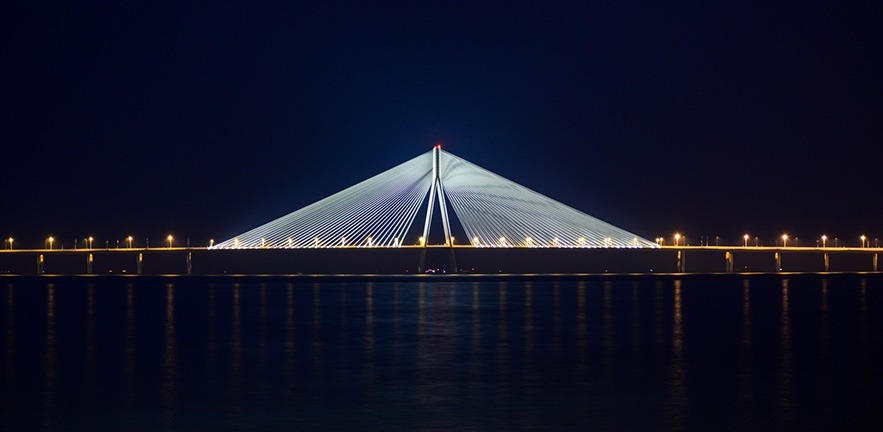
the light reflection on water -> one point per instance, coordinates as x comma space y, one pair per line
785, 365
612, 354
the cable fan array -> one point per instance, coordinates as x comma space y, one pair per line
497, 212
493, 211
374, 213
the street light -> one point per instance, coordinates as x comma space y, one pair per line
677, 239
863, 240
824, 240
129, 239
745, 238
211, 243
90, 242
784, 240
50, 240
10, 243
170, 238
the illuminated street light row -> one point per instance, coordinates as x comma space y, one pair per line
865, 241
678, 238
50, 242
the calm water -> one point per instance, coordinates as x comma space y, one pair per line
798, 354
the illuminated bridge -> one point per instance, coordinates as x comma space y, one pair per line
494, 212
374, 227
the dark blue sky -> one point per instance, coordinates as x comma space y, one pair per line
206, 120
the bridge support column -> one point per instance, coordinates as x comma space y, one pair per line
453, 261
778, 262
140, 261
875, 262
89, 264
189, 263
729, 258
422, 260
827, 263
40, 264
682, 265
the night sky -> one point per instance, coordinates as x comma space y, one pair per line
207, 120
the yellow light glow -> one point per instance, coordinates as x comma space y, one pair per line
502, 241
475, 241
746, 237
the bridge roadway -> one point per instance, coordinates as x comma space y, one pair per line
515, 259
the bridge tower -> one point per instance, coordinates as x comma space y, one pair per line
437, 189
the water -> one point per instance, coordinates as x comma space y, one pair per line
759, 353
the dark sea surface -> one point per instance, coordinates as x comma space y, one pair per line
698, 353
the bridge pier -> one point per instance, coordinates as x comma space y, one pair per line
778, 262
682, 267
89, 263
140, 261
453, 259
40, 264
729, 258
875, 262
189, 263
422, 260
827, 263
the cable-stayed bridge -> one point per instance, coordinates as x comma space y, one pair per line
494, 212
